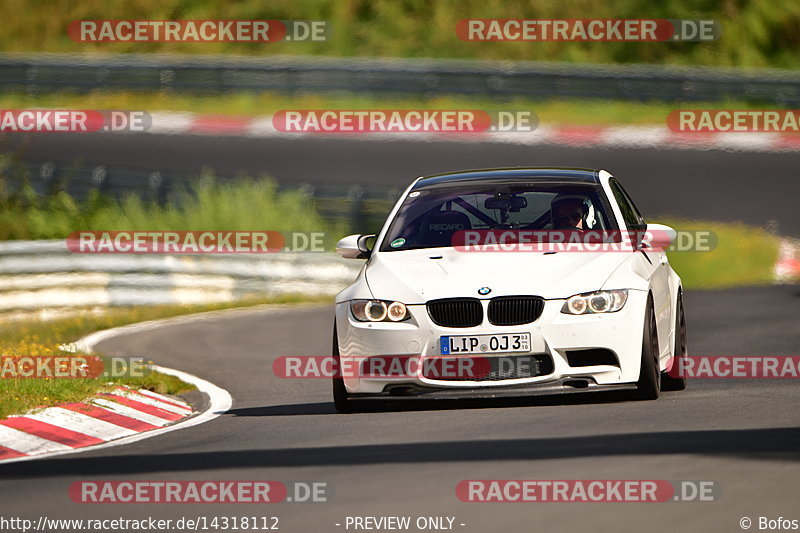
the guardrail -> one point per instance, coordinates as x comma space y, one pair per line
220, 74
45, 274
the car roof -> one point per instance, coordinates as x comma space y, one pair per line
554, 175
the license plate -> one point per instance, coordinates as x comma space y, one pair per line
469, 344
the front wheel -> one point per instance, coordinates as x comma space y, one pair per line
649, 384
675, 380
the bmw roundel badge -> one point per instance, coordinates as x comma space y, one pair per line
483, 291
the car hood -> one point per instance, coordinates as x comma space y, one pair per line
416, 276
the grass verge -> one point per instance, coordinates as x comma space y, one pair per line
41, 338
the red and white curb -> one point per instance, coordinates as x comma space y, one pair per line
110, 416
621, 136
119, 417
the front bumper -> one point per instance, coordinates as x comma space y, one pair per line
553, 333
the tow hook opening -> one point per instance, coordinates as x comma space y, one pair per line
576, 383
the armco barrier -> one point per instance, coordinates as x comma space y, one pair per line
45, 274
221, 74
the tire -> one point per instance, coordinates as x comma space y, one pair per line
341, 398
668, 382
649, 384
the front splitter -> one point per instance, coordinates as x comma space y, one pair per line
415, 391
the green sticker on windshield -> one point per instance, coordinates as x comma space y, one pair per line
397, 243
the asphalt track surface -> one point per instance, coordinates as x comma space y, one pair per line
742, 434
708, 185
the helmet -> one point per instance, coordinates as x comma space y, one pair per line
579, 199
563, 197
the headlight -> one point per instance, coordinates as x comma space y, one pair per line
379, 311
595, 302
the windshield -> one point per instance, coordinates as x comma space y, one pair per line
429, 218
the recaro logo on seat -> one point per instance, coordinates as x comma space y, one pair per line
445, 227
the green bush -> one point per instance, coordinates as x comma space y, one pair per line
755, 33
243, 205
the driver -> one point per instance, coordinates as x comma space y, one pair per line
567, 212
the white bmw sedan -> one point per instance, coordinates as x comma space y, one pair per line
488, 283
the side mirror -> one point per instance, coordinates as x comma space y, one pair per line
354, 246
658, 237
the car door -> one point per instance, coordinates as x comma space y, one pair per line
657, 265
